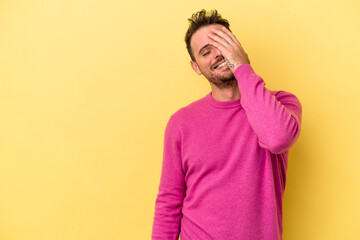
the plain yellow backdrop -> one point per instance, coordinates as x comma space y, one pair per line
87, 88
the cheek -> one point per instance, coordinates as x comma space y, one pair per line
207, 63
206, 67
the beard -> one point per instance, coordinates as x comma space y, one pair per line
221, 81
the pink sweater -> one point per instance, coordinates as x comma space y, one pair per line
224, 165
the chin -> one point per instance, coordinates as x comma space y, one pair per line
229, 76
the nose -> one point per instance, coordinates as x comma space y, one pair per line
217, 53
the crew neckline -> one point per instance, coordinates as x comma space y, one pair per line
222, 104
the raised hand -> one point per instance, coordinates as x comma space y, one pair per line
229, 47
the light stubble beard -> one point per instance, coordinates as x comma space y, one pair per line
222, 82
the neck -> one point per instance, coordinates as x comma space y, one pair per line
230, 93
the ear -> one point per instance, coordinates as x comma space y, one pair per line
195, 67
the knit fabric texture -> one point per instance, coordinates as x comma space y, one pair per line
224, 165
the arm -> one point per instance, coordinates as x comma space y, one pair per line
172, 187
275, 118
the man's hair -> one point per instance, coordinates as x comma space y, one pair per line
201, 19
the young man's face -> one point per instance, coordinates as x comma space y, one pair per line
208, 59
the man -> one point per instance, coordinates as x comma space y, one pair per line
225, 155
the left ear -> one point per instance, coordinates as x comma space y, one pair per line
195, 67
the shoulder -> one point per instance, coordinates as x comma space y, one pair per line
284, 96
189, 111
290, 101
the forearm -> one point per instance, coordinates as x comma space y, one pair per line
172, 188
168, 214
276, 122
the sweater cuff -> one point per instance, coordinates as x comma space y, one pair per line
247, 78
243, 70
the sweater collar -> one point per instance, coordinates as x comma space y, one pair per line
222, 104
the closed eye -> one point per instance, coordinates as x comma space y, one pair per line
206, 53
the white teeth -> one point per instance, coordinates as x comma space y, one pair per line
223, 64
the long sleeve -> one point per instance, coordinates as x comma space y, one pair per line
172, 187
274, 116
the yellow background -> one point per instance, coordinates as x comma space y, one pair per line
87, 88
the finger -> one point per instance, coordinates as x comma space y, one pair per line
218, 39
223, 35
218, 46
231, 35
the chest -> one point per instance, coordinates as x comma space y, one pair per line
217, 142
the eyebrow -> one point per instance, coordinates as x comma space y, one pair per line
207, 45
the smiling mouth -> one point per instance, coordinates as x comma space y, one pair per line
220, 65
